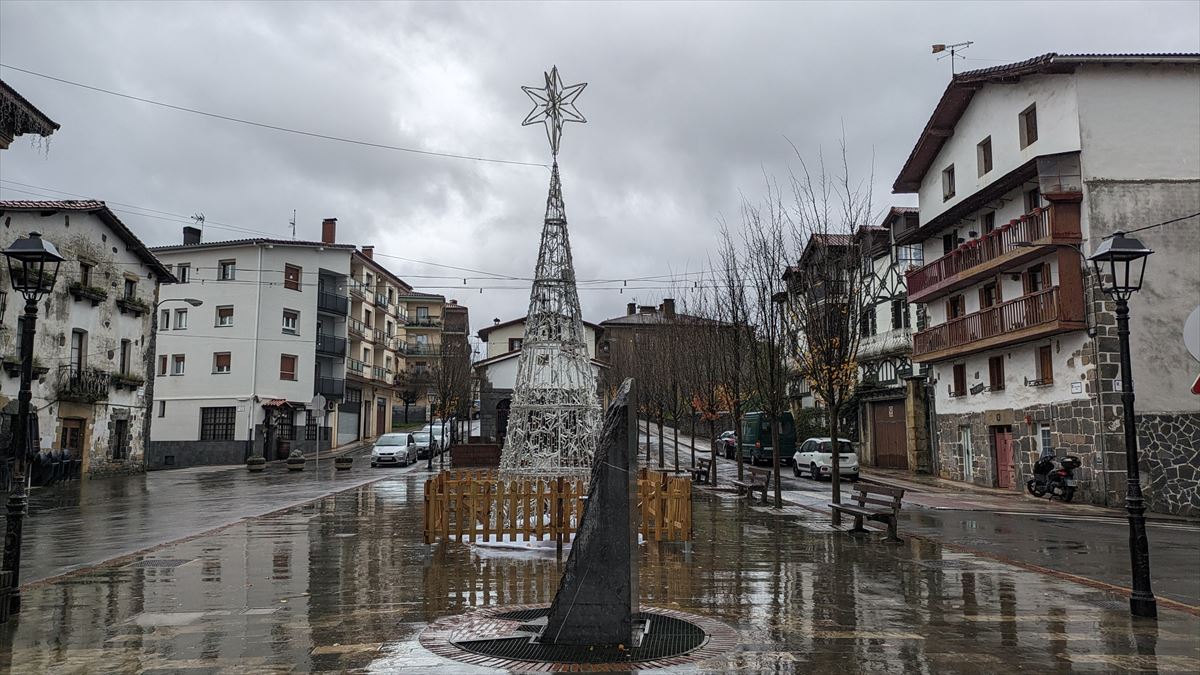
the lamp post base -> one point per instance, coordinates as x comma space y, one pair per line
14, 523
1143, 607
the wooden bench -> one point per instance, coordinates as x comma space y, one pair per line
875, 502
701, 472
756, 479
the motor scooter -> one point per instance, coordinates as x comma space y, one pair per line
1050, 482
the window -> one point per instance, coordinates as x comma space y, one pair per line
900, 314
887, 372
910, 256
225, 315
217, 424
965, 452
177, 364
1033, 199
1028, 124
120, 439
180, 319
1045, 365
1037, 279
78, 350
227, 270
996, 373
85, 274
514, 344
955, 307
221, 363
948, 182
983, 152
1044, 440
130, 288
866, 322
291, 277
164, 321
162, 408
287, 367
423, 313
949, 241
989, 295
291, 322
183, 272
286, 424
988, 221
162, 365
123, 364
960, 380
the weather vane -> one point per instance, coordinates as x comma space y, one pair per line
553, 105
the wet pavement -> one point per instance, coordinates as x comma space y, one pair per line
345, 583
1075, 539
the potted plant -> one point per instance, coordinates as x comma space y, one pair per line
83, 292
256, 463
343, 462
295, 460
132, 305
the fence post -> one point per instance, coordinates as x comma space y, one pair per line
558, 517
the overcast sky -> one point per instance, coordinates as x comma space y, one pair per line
687, 105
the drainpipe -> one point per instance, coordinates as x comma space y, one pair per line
254, 357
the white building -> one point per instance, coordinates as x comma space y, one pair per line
94, 344
497, 372
240, 372
1019, 167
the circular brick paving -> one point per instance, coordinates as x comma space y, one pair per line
462, 637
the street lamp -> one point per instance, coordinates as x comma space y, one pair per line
33, 269
1120, 264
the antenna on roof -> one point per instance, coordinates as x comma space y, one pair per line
954, 49
292, 222
199, 219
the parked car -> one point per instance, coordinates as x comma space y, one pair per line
815, 457
757, 443
727, 444
423, 440
394, 449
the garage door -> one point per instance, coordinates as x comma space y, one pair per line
348, 419
887, 434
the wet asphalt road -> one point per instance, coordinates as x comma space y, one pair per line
1094, 545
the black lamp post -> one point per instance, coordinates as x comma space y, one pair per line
1120, 264
33, 268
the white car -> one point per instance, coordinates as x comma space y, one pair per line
815, 457
394, 450
439, 432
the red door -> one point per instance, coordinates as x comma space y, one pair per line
888, 434
1004, 456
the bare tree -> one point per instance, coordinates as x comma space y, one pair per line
730, 308
450, 379
409, 387
704, 347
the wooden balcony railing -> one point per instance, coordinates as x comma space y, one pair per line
1032, 227
1009, 321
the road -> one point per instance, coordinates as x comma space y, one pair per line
1076, 539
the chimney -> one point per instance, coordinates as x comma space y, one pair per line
668, 308
368, 252
329, 231
646, 309
631, 308
191, 235
453, 301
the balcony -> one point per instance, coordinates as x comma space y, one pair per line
381, 301
85, 385
383, 374
331, 345
1029, 317
332, 303
423, 322
996, 251
358, 288
381, 338
332, 387
894, 341
357, 368
357, 329
422, 349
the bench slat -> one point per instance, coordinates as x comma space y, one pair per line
866, 488
862, 511
889, 503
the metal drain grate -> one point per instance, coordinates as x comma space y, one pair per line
668, 636
159, 563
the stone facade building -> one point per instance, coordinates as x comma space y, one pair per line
1021, 171
93, 353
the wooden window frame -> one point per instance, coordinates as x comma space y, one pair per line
227, 270
291, 277
948, 190
163, 364
959, 386
996, 373
1045, 364
283, 374
1028, 130
983, 153
987, 222
183, 272
217, 363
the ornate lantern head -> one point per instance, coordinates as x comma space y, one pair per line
1120, 263
33, 266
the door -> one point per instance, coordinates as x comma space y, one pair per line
887, 435
347, 423
71, 442
381, 417
1002, 442
965, 454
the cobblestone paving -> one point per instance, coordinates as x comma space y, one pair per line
346, 584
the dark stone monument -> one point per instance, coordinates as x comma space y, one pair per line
598, 595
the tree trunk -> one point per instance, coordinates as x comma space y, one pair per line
712, 431
836, 478
777, 445
737, 433
693, 443
676, 441
661, 462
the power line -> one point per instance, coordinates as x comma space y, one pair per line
1165, 222
274, 127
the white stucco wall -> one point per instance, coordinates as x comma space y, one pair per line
497, 340
995, 111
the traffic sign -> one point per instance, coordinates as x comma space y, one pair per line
1196, 386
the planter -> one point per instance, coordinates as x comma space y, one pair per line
90, 293
132, 306
343, 463
130, 382
256, 463
13, 367
295, 461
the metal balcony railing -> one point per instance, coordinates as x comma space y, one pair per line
83, 384
1026, 311
381, 300
356, 367
422, 349
333, 303
380, 338
330, 386
357, 329
423, 322
1031, 227
358, 288
331, 345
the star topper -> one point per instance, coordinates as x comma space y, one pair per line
553, 105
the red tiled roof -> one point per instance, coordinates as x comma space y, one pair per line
250, 242
963, 86
49, 126
107, 216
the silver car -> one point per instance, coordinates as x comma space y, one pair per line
394, 450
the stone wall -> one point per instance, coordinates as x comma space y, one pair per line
1169, 446
181, 454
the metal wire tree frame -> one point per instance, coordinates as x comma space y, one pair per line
555, 414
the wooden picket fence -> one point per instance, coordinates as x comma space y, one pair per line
475, 505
